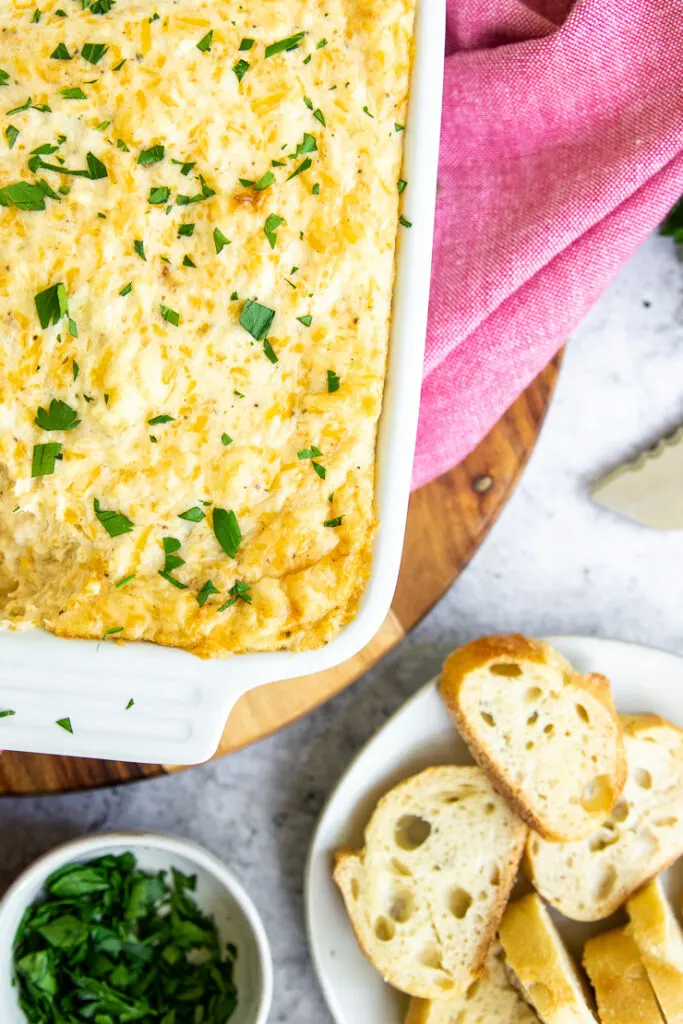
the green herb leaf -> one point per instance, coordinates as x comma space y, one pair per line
401, 185
51, 305
186, 231
308, 453
333, 523
269, 351
309, 102
305, 320
60, 52
319, 46
219, 240
240, 68
291, 43
73, 93
11, 134
239, 591
406, 223
227, 531
307, 145
164, 418
303, 166
332, 382
130, 704
152, 155
122, 582
115, 523
65, 723
139, 247
94, 52
266, 181
192, 515
270, 227
204, 43
366, 111
96, 168
205, 593
24, 195
226, 439
120, 144
59, 417
399, 127
319, 116
7, 714
100, 6
159, 195
188, 261
256, 319
111, 632
127, 289
170, 315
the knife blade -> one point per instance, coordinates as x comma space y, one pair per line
648, 488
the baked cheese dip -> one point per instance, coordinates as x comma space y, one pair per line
199, 202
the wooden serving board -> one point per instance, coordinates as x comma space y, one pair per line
447, 521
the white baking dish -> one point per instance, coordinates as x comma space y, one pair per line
181, 702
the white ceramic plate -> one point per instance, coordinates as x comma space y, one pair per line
418, 735
182, 703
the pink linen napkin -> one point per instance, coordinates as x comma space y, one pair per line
561, 150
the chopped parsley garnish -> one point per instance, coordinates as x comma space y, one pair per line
60, 52
170, 315
192, 515
219, 240
256, 319
320, 470
95, 170
159, 195
94, 52
319, 116
226, 439
277, 163
99, 6
24, 195
152, 155
307, 145
399, 127
36, 16
309, 102
172, 561
139, 247
111, 632
291, 43
238, 394
103, 125
60, 416
309, 453
205, 193
204, 43
227, 530
401, 185
122, 582
120, 64
239, 591
73, 93
164, 418
264, 182
11, 134
51, 305
234, 297
188, 261
115, 523
305, 320
307, 60
366, 111
75, 369
120, 144
332, 382
246, 44
130, 704
333, 523
319, 46
316, 189
405, 222
303, 166
186, 231
270, 227
240, 68
7, 713
185, 168
127, 289
65, 723
44, 458
205, 593
269, 351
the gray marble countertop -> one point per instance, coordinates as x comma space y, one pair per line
554, 563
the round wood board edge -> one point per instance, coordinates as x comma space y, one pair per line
447, 521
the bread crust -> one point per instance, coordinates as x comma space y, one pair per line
486, 651
623, 991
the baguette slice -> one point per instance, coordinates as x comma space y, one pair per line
549, 738
660, 944
492, 999
588, 880
426, 893
622, 990
547, 975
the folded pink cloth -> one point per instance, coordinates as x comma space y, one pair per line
561, 150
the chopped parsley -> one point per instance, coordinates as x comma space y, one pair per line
185, 168
309, 453
152, 155
269, 351
205, 593
103, 125
130, 704
205, 193
139, 247
246, 44
320, 470
399, 127
256, 319
111, 632
227, 530
36, 16
192, 515
273, 222
333, 523
307, 145
319, 46
319, 116
73, 93
186, 231
234, 297
170, 315
122, 582
75, 369
204, 43
60, 52
401, 185
94, 52
99, 6
60, 416
239, 591
316, 189
65, 723
405, 222
159, 195
4, 77
240, 68
44, 458
51, 305
7, 713
127, 288
164, 418
332, 382
219, 240
309, 102
303, 166
115, 523
188, 261
366, 111
11, 134
172, 561
264, 182
226, 439
291, 43
305, 320
25, 195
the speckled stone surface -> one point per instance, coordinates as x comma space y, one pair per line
554, 563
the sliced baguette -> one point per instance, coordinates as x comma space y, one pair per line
549, 738
546, 973
588, 880
622, 989
426, 893
660, 944
492, 999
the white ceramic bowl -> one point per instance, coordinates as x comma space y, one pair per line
218, 894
